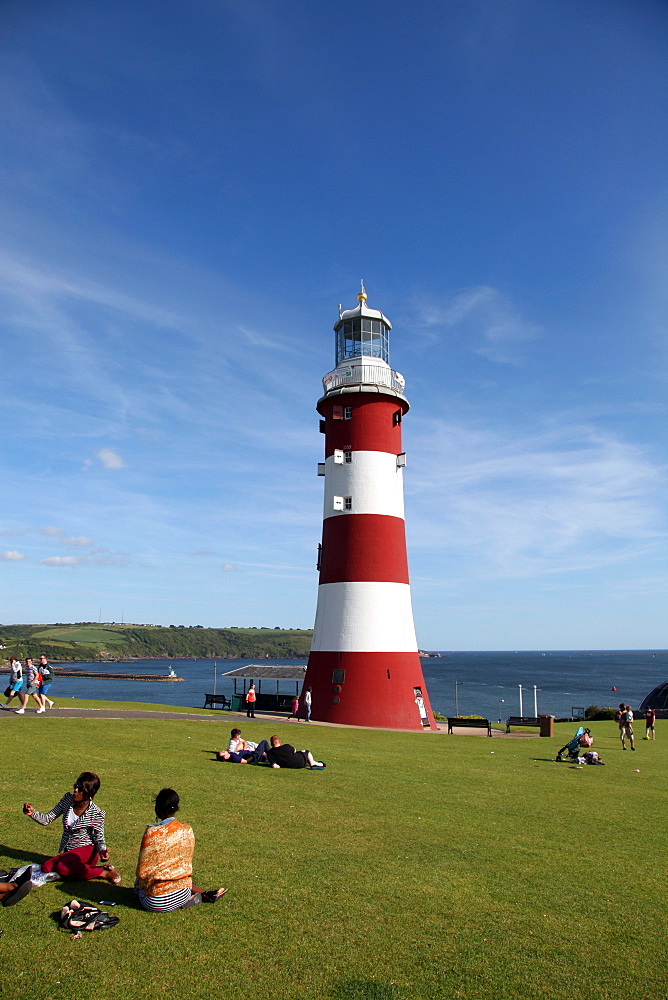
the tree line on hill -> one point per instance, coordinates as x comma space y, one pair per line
156, 641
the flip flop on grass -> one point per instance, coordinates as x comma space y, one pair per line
213, 895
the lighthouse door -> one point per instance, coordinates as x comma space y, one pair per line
419, 701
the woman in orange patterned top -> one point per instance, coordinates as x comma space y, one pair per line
164, 869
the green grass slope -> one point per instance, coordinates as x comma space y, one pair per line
415, 866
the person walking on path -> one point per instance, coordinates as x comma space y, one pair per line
251, 698
46, 673
307, 703
650, 719
32, 681
15, 681
294, 711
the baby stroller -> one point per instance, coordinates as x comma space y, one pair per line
581, 739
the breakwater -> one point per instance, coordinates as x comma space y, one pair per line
98, 675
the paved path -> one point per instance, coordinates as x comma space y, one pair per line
229, 718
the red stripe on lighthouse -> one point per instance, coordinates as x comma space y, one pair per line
373, 426
364, 547
368, 689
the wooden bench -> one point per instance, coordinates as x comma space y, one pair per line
211, 700
462, 723
521, 720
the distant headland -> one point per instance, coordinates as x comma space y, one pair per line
109, 641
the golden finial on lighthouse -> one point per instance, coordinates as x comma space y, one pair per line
362, 295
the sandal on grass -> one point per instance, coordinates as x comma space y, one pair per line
213, 895
85, 918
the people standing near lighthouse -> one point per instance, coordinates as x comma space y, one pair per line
650, 719
251, 698
626, 725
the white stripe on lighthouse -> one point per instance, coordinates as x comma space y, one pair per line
371, 479
364, 618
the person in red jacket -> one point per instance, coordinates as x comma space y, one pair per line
251, 698
650, 719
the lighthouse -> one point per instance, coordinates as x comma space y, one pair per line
364, 668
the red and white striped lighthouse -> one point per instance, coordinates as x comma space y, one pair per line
364, 668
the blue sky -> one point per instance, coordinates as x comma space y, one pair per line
190, 189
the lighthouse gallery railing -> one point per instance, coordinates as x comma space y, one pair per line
364, 375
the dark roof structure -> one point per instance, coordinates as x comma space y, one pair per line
256, 672
658, 700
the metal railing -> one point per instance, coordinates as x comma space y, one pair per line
364, 375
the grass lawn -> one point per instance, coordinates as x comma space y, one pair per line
414, 866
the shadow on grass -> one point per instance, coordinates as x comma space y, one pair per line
363, 989
95, 893
22, 857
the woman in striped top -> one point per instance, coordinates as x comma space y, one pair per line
164, 869
82, 845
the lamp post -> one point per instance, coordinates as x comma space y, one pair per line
457, 683
535, 701
502, 701
521, 713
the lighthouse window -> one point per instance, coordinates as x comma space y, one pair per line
347, 412
347, 503
348, 457
362, 337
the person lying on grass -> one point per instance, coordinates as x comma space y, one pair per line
164, 869
82, 845
282, 755
274, 754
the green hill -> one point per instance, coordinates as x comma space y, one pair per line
95, 641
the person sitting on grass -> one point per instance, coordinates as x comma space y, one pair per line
238, 744
164, 869
82, 845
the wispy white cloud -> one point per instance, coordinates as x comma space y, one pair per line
71, 541
104, 558
558, 500
261, 340
11, 555
110, 459
229, 568
483, 313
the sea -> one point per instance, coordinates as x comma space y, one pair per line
491, 684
